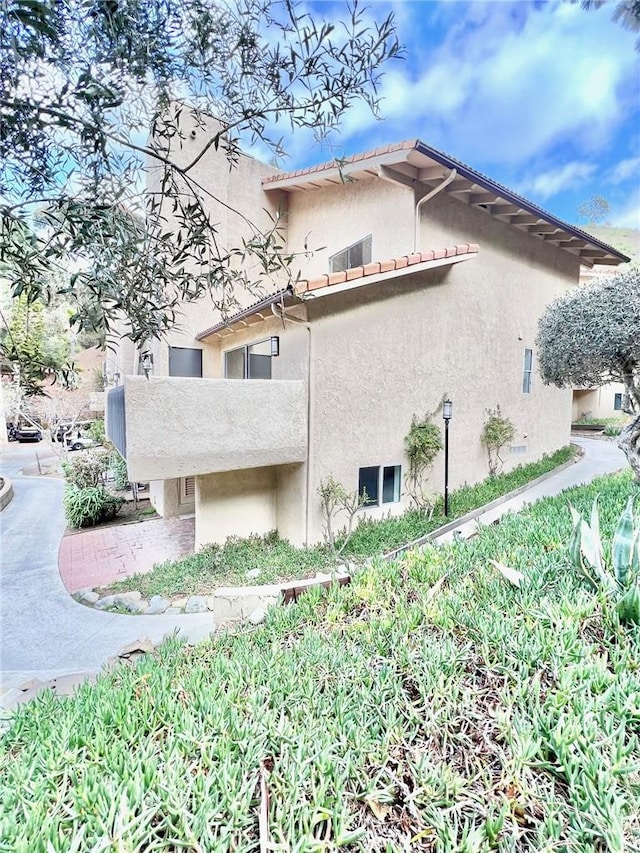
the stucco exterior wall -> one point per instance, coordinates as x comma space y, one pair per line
382, 353
164, 496
597, 402
178, 427
326, 221
236, 503
235, 202
255, 501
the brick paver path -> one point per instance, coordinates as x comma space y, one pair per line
96, 557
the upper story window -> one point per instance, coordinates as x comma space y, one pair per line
527, 371
185, 361
356, 255
249, 362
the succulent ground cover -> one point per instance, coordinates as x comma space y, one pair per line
429, 706
228, 564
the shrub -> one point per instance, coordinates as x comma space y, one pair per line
422, 443
335, 499
497, 432
119, 468
84, 507
96, 431
616, 571
87, 469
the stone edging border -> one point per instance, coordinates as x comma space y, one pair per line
6, 493
227, 603
251, 602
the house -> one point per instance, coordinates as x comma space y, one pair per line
427, 280
605, 401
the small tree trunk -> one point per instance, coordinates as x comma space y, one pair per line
629, 443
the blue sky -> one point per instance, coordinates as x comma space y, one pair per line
543, 97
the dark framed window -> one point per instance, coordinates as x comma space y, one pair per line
617, 402
368, 481
249, 362
381, 484
527, 371
390, 484
185, 361
356, 255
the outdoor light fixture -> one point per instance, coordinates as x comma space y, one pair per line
146, 362
275, 346
116, 377
447, 414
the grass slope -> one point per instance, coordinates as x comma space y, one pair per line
627, 240
277, 559
402, 713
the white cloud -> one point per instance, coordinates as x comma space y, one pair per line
558, 180
510, 85
627, 215
624, 170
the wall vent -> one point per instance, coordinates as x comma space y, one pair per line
518, 449
187, 489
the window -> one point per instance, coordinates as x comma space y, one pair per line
527, 371
184, 361
617, 402
250, 362
381, 483
355, 255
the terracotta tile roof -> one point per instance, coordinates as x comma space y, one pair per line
381, 267
336, 164
437, 257
464, 171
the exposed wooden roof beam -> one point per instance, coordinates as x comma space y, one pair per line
525, 219
393, 175
486, 199
501, 208
543, 229
433, 173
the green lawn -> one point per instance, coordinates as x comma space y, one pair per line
402, 713
223, 565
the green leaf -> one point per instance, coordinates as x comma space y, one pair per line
576, 535
628, 607
622, 546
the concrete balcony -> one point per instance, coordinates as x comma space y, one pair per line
170, 427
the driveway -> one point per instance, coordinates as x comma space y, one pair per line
44, 633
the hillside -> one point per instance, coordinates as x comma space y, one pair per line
627, 240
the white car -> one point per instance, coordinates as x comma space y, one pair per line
81, 443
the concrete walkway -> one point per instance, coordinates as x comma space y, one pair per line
600, 457
46, 634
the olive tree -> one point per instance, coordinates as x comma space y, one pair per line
591, 336
88, 94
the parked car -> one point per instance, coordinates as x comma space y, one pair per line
66, 431
28, 434
80, 443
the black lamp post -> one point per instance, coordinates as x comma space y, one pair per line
447, 414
